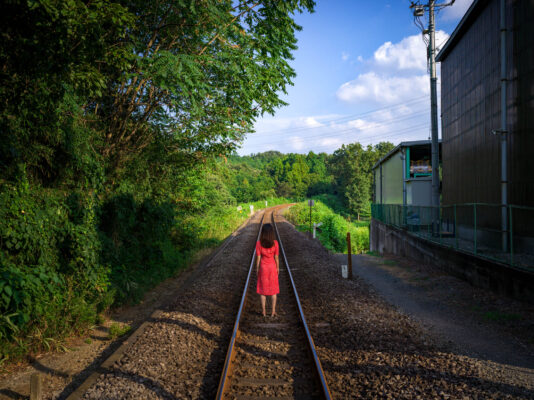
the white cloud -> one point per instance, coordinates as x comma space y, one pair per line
345, 56
398, 73
360, 58
333, 143
457, 10
362, 125
297, 142
383, 89
310, 122
409, 53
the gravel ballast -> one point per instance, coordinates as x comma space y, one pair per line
369, 350
366, 347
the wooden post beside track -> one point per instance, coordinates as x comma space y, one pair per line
349, 256
36, 387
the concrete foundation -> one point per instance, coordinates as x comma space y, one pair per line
480, 272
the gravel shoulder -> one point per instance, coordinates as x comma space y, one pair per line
369, 349
469, 321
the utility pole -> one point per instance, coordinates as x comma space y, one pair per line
419, 11
434, 115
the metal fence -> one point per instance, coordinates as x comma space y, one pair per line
474, 228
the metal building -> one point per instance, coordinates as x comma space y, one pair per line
471, 105
404, 175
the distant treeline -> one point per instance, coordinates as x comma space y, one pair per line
345, 173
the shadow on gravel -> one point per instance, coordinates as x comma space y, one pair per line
79, 378
149, 383
433, 377
47, 370
186, 326
12, 394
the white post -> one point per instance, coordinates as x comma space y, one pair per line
251, 209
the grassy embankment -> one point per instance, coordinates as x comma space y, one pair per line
335, 220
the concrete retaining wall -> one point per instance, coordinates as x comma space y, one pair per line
480, 272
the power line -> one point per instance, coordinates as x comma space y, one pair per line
376, 125
366, 139
389, 108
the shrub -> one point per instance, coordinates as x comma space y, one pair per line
334, 228
51, 280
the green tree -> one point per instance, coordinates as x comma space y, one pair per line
351, 166
201, 76
53, 55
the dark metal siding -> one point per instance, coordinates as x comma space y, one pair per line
521, 115
470, 94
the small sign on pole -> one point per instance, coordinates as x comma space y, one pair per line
265, 203
251, 209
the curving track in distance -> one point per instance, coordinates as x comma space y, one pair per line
272, 357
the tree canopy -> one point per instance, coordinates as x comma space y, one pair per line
100, 82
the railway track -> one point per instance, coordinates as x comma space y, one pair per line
272, 357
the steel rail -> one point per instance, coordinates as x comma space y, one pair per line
311, 344
230, 354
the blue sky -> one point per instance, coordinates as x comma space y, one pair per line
361, 76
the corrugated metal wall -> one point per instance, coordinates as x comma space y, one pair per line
521, 115
470, 94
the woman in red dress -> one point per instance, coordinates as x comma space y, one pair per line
267, 267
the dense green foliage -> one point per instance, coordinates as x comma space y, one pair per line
113, 115
333, 231
351, 166
346, 173
119, 123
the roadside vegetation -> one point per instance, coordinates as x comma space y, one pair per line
334, 225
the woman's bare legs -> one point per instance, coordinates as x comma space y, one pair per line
262, 299
273, 301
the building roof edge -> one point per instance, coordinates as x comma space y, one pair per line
399, 146
460, 29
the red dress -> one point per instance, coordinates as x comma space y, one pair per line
267, 274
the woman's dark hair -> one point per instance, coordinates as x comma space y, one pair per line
267, 236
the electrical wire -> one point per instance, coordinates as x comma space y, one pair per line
365, 139
377, 125
354, 116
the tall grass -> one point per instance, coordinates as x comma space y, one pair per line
333, 231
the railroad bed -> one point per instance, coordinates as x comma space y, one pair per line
180, 353
272, 357
367, 349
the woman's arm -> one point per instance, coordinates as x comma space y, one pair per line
258, 258
277, 264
